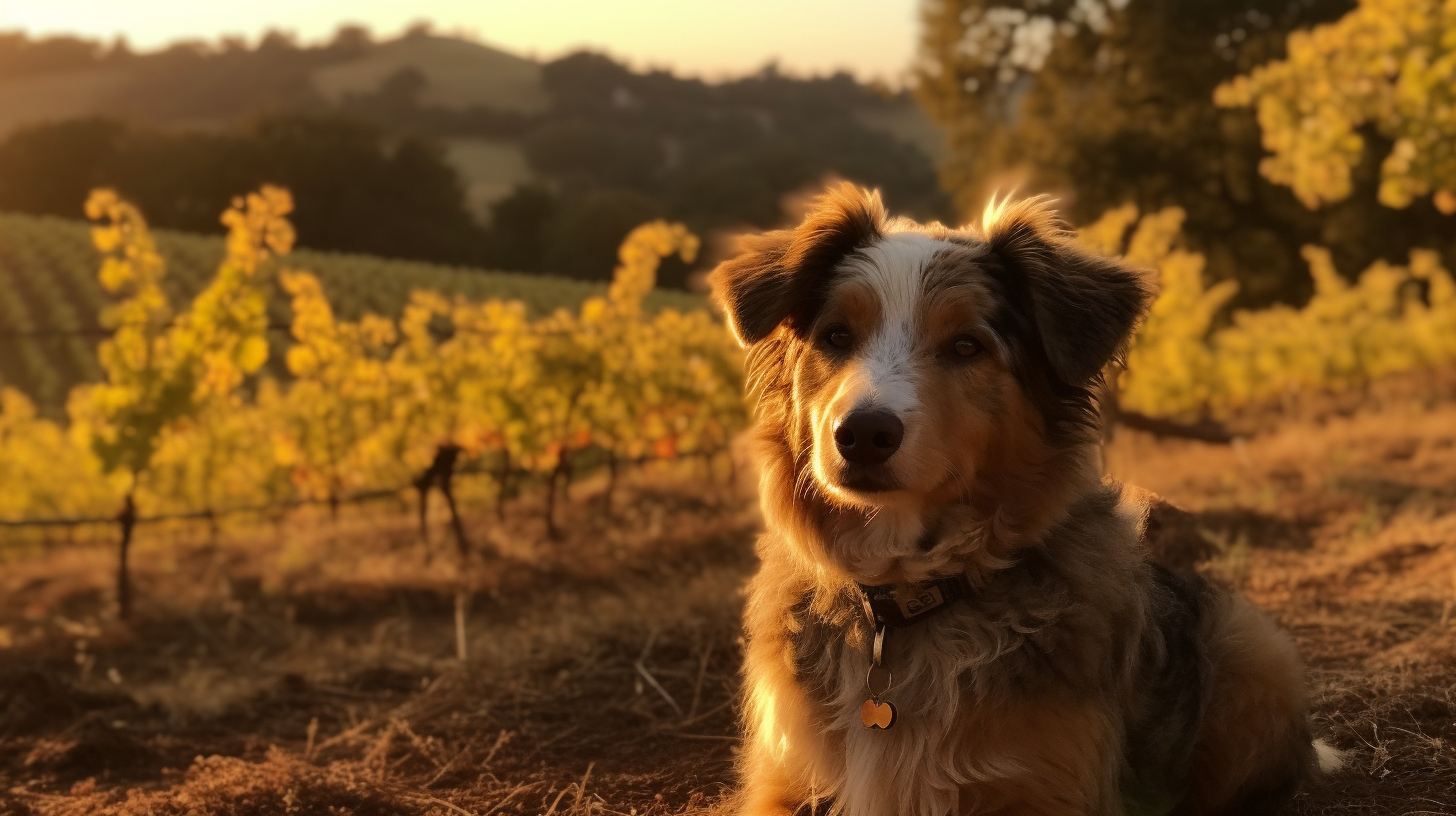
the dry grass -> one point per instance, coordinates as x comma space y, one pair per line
311, 668
1345, 528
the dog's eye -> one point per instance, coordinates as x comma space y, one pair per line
967, 347
839, 337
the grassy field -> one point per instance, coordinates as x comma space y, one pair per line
50, 298
312, 662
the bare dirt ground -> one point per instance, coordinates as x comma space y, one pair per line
310, 668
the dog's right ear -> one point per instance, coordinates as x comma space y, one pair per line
780, 277
1085, 306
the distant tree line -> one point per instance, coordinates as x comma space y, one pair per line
620, 147
613, 149
343, 173
22, 56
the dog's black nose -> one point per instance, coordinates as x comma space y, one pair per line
869, 437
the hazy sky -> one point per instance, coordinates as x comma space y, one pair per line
872, 38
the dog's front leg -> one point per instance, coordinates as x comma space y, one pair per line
776, 765
783, 752
769, 784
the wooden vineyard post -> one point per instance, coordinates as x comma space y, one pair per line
444, 468
462, 603
611, 481
127, 519
560, 478
442, 474
503, 484
422, 488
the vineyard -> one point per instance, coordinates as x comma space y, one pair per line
200, 412
231, 426
50, 296
183, 426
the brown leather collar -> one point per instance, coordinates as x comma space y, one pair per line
900, 605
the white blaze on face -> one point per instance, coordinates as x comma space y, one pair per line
884, 367
882, 372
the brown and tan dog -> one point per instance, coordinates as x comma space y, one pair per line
928, 433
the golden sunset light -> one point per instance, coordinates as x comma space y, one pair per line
874, 39
688, 408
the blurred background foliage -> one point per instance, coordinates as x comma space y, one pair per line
1109, 102
1271, 124
1287, 167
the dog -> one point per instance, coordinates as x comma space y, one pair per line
954, 613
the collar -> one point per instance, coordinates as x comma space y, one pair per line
900, 605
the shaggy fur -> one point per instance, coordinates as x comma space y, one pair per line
1079, 678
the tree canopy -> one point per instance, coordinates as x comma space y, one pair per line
1110, 102
1387, 66
345, 173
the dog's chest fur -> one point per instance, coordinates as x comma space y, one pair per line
1042, 629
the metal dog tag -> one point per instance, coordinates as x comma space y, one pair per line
878, 715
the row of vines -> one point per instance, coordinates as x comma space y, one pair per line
185, 417
50, 295
1192, 360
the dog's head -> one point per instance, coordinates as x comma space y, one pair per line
905, 370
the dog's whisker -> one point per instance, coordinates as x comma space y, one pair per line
955, 474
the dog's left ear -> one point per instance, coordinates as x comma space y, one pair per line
1085, 306
779, 277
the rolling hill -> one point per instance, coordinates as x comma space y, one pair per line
476, 100
458, 73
